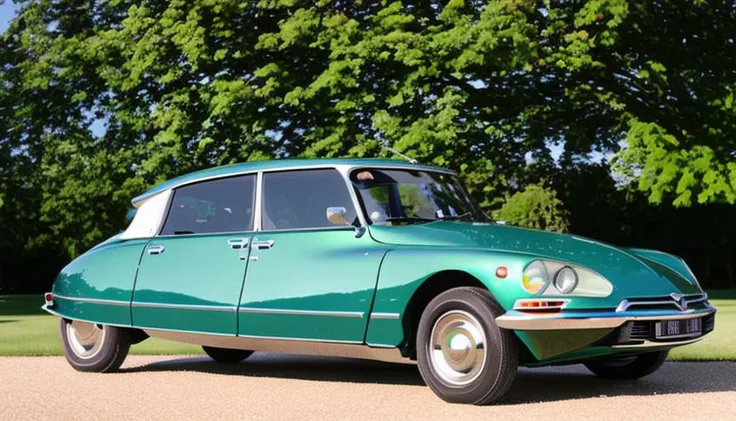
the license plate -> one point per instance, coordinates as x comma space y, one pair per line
679, 328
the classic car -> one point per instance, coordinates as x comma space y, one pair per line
375, 259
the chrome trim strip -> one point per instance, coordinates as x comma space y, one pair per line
281, 338
664, 302
285, 345
54, 313
93, 300
194, 332
385, 316
142, 304
515, 320
258, 310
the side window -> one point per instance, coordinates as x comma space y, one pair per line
299, 199
223, 205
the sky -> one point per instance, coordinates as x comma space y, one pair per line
7, 11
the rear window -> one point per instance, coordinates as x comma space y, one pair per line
222, 205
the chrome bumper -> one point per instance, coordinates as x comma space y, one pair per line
569, 320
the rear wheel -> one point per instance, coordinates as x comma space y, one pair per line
94, 347
631, 367
228, 356
463, 356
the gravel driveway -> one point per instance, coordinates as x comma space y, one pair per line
277, 386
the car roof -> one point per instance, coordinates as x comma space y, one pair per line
279, 164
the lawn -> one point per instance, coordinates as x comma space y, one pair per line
721, 344
25, 329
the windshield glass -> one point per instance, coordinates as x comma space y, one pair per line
406, 196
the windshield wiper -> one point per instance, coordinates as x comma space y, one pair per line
455, 217
407, 219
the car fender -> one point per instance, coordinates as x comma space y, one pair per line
98, 285
672, 262
404, 270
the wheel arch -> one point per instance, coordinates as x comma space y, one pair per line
409, 277
435, 284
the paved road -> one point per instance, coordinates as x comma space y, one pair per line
277, 386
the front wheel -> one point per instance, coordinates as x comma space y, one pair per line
632, 367
225, 355
93, 347
463, 356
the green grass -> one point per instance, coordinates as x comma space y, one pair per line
27, 330
721, 344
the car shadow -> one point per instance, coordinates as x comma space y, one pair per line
301, 367
7, 321
547, 384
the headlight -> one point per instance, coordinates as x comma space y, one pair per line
535, 277
566, 279
547, 277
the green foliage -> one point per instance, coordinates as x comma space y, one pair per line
480, 86
535, 207
662, 167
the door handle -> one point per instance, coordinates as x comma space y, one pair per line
156, 249
237, 243
262, 244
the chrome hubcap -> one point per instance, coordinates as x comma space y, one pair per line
85, 339
457, 349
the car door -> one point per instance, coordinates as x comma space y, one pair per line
308, 278
191, 275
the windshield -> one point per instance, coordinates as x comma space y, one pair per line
406, 196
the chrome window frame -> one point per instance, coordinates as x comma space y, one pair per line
364, 220
172, 193
343, 169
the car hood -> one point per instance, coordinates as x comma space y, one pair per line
633, 272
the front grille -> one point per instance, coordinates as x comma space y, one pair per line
672, 301
709, 323
636, 332
641, 330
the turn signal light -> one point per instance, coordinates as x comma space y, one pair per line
49, 298
540, 305
502, 272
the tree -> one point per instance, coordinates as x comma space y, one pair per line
535, 207
483, 87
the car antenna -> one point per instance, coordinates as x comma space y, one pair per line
395, 152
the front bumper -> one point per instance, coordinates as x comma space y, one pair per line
626, 329
553, 333
572, 320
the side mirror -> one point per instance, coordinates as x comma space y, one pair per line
336, 215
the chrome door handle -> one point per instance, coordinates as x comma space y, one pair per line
262, 244
237, 243
156, 249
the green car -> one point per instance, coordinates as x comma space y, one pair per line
376, 259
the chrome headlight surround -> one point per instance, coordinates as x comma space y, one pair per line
540, 277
